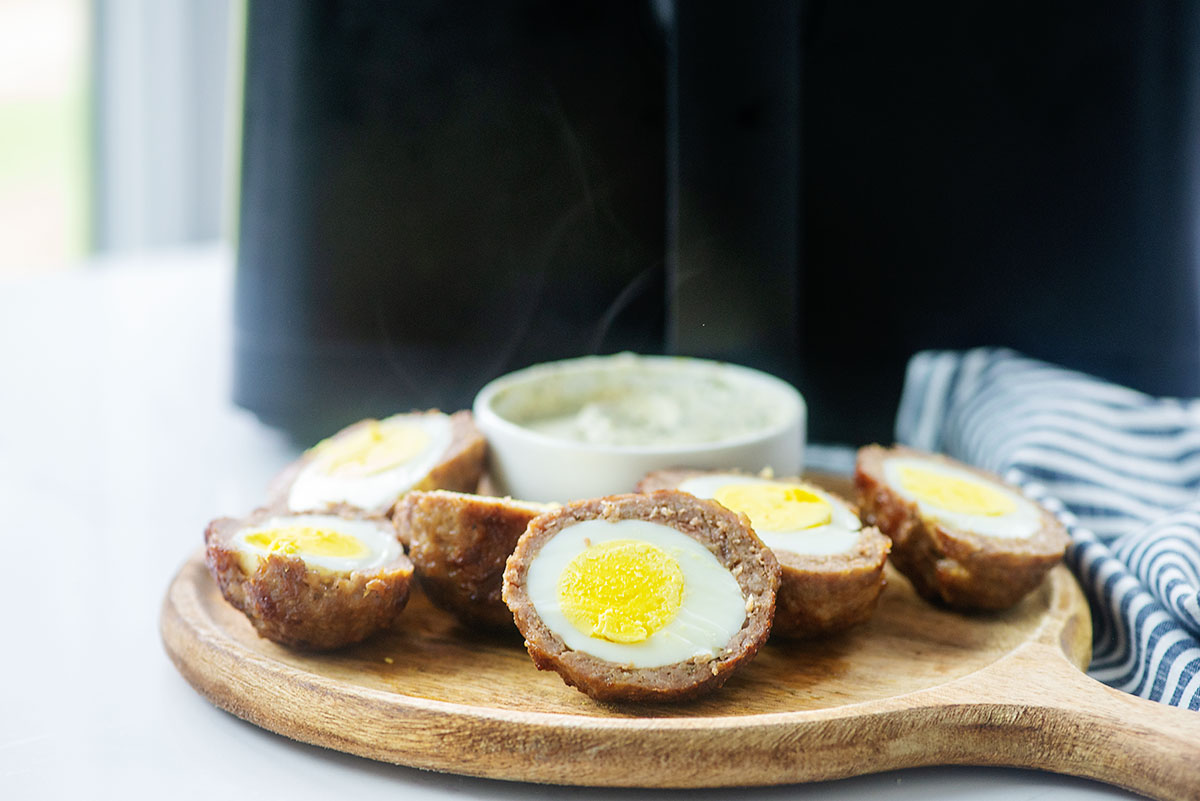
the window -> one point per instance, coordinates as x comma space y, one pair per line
116, 131
43, 134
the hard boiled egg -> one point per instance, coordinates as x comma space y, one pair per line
635, 592
371, 464
328, 542
787, 515
962, 499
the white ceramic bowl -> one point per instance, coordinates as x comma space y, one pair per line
694, 408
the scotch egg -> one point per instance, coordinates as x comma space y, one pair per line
962, 536
832, 566
459, 543
313, 581
641, 597
371, 465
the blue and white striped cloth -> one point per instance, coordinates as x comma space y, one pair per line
1120, 469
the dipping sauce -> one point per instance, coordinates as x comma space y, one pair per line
638, 413
594, 426
626, 400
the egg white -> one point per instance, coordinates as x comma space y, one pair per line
382, 547
315, 488
711, 612
839, 535
1021, 523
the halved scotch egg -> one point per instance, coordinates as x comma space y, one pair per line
371, 464
314, 581
459, 544
963, 537
832, 566
642, 597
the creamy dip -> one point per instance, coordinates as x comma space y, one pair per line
631, 402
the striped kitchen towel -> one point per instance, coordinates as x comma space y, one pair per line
1120, 469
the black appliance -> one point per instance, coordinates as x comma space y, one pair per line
436, 193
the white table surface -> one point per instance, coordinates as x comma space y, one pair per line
118, 444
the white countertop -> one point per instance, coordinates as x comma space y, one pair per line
119, 443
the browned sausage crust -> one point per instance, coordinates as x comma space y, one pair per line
818, 595
670, 479
460, 469
726, 535
961, 569
458, 544
291, 603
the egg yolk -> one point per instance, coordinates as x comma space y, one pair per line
621, 590
775, 507
372, 448
955, 494
307, 540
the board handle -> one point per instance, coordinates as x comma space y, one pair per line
1073, 724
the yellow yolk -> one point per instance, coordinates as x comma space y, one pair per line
372, 448
621, 590
955, 494
307, 540
775, 507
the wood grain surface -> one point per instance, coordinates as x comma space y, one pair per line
915, 686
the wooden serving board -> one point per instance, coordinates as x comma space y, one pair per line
915, 686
